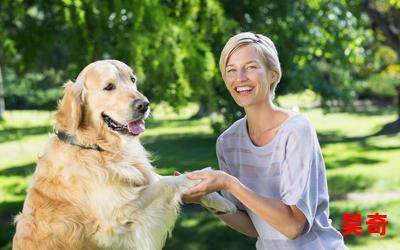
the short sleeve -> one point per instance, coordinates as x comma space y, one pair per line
224, 167
299, 176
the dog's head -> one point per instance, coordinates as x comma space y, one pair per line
104, 95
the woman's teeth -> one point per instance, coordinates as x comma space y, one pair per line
243, 89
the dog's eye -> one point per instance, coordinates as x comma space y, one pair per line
110, 86
133, 79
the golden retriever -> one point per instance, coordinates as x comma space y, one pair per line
94, 187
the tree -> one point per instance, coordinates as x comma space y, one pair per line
385, 18
170, 44
174, 45
2, 103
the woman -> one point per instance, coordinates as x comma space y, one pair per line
270, 160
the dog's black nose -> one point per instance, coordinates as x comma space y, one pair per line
141, 105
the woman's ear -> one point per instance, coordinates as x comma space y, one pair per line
69, 114
273, 76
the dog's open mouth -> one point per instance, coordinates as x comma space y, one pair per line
134, 127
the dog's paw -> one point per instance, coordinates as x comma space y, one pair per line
180, 183
203, 169
187, 184
218, 204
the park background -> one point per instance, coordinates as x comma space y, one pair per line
340, 63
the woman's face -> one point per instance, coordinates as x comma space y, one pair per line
247, 77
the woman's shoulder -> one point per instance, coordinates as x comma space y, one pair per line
234, 130
298, 120
299, 125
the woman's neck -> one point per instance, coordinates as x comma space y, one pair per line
265, 117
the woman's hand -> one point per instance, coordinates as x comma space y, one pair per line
212, 180
189, 198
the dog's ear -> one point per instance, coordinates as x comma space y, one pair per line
69, 114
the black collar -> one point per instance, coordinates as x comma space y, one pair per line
70, 139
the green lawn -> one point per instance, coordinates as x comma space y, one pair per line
361, 156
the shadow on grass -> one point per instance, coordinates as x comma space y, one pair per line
22, 170
350, 161
391, 128
203, 231
8, 210
367, 110
333, 137
182, 153
12, 134
340, 184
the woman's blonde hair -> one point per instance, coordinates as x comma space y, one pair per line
265, 48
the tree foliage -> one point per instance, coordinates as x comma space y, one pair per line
174, 46
318, 42
385, 20
170, 44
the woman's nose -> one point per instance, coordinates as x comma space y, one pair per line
241, 76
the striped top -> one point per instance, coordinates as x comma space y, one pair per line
291, 169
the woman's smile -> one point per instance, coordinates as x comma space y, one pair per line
244, 90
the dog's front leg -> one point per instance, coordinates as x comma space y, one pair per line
217, 204
149, 212
167, 190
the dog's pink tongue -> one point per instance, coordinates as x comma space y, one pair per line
136, 127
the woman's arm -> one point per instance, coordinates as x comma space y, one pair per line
288, 220
240, 221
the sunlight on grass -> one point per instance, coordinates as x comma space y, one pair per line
164, 111
12, 188
201, 126
304, 100
27, 118
348, 124
192, 222
22, 151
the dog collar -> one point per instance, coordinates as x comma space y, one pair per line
70, 139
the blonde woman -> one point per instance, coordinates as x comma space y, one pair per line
270, 160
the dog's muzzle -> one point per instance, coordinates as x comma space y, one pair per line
135, 127
141, 105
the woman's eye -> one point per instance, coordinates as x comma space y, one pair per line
230, 70
133, 79
251, 67
109, 87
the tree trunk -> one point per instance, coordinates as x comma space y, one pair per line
398, 103
2, 102
385, 22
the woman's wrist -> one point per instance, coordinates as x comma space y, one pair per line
231, 181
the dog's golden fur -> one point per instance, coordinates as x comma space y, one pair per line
101, 193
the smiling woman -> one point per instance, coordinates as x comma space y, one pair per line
242, 66
270, 160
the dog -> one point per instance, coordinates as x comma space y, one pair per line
94, 186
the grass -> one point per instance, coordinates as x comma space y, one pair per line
359, 156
